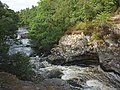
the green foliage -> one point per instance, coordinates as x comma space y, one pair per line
8, 22
96, 35
102, 19
26, 16
18, 65
8, 27
53, 17
80, 26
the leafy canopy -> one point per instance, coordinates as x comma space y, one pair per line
53, 17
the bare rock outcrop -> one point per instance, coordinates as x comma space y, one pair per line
74, 48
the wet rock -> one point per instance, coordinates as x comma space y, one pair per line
79, 79
109, 56
110, 59
56, 84
73, 48
98, 85
55, 73
77, 50
114, 79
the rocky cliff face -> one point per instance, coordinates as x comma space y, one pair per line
74, 48
110, 59
82, 49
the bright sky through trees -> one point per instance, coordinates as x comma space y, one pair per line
20, 4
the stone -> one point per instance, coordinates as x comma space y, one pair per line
79, 50
56, 84
110, 59
73, 48
55, 73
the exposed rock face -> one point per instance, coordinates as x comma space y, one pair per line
74, 48
109, 56
110, 59
116, 28
80, 49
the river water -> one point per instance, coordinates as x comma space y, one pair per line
80, 78
21, 44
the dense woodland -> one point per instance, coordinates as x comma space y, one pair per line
50, 20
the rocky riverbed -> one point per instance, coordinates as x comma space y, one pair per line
76, 63
83, 66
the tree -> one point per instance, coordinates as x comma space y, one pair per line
18, 65
8, 25
53, 17
27, 15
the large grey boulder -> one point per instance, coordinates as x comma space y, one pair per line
73, 48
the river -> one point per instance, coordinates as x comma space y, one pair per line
80, 78
21, 44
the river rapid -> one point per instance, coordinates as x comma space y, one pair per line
78, 77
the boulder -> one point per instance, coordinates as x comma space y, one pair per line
110, 58
73, 48
56, 84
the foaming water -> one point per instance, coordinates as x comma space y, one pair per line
22, 43
80, 78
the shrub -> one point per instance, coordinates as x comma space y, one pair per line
101, 20
96, 35
18, 65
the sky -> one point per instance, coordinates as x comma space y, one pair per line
17, 5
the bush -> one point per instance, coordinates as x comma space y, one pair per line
18, 65
101, 20
96, 35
